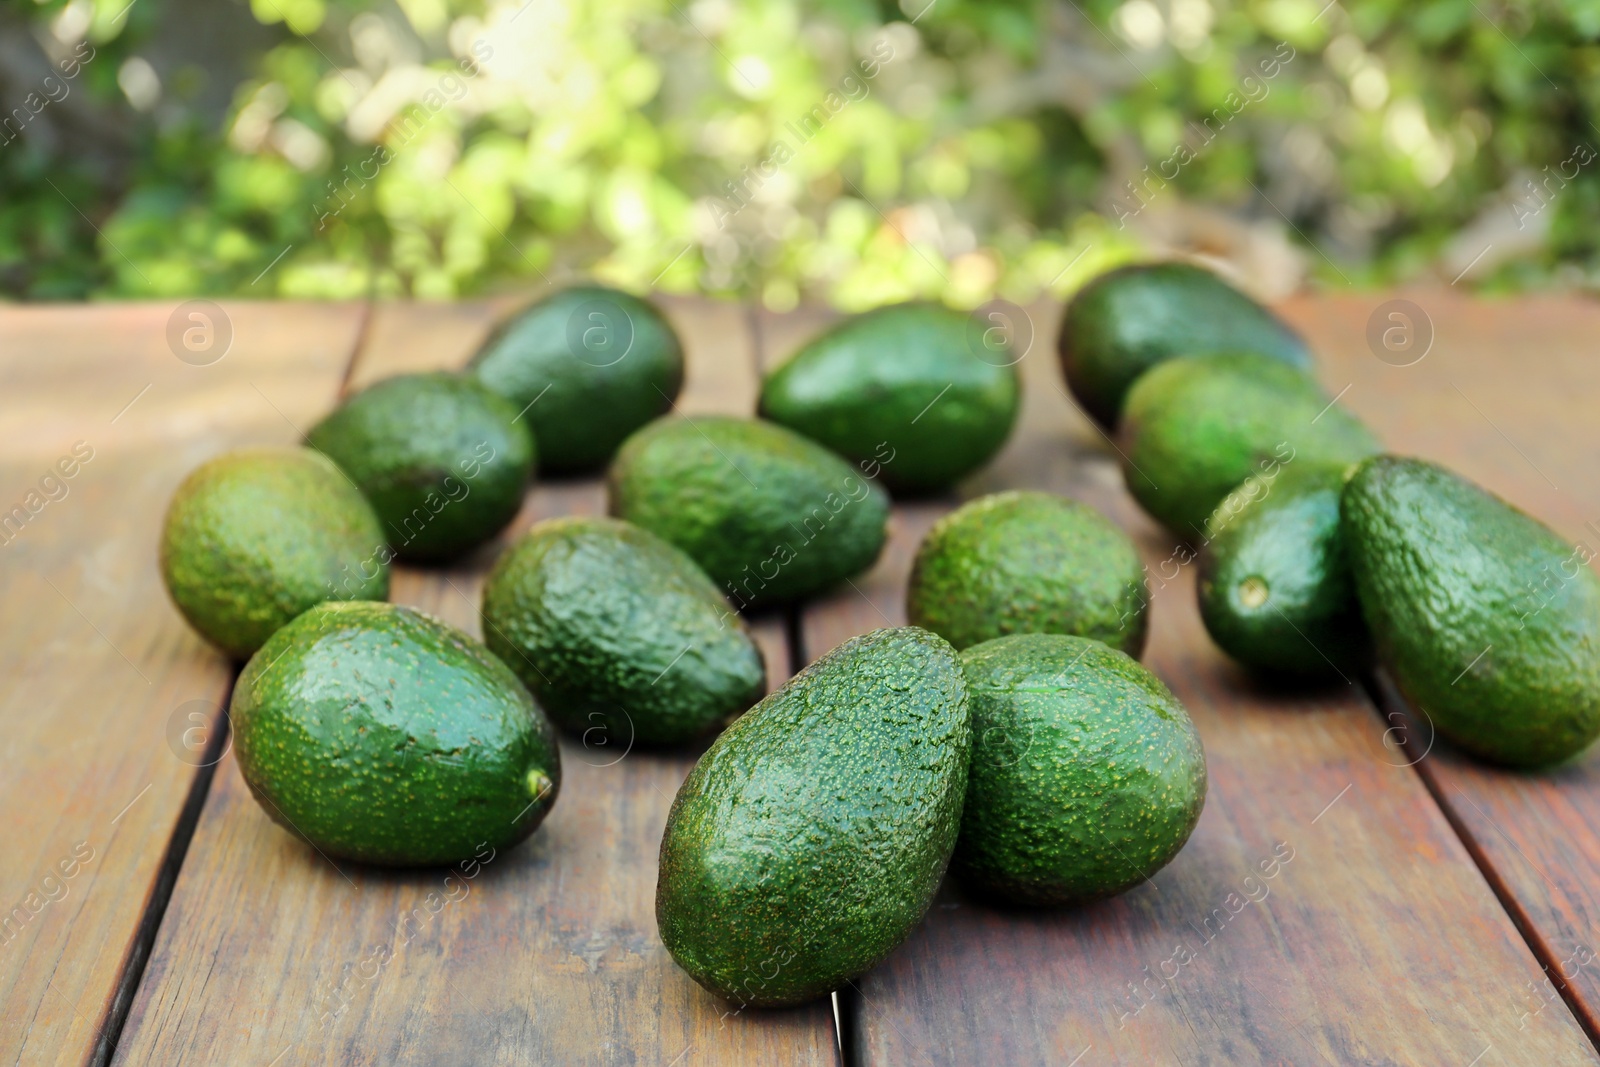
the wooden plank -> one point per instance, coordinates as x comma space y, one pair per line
1375, 941
102, 674
549, 956
1506, 396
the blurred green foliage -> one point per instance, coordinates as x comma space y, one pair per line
843, 150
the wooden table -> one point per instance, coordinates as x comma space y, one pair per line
1431, 911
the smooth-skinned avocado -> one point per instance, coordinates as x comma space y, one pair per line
587, 366
618, 635
1194, 429
256, 536
1087, 775
1128, 320
771, 516
442, 459
1274, 586
1486, 619
811, 837
1028, 562
918, 379
382, 735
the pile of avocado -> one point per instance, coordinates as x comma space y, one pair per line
1318, 554
1009, 734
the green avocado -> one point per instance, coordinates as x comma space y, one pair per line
1087, 775
769, 515
1025, 562
810, 838
916, 379
618, 635
1486, 619
1126, 321
1194, 429
587, 367
1274, 585
254, 537
382, 735
443, 460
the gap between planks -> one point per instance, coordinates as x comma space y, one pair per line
132, 971
1387, 702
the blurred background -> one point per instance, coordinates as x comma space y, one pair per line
836, 151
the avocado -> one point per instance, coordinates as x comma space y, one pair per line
915, 377
1128, 320
1025, 562
1274, 585
256, 536
1486, 619
614, 630
443, 460
810, 838
1087, 775
1193, 429
768, 514
382, 735
587, 366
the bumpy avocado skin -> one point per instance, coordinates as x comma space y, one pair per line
1087, 774
1128, 320
768, 514
1026, 562
1193, 429
382, 735
443, 460
916, 377
811, 837
1274, 584
1488, 622
618, 634
254, 537
595, 364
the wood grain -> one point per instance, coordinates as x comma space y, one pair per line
550, 955
1506, 396
1375, 941
102, 674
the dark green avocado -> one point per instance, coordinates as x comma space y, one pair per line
1026, 562
1194, 429
811, 837
254, 537
382, 735
914, 379
443, 460
1486, 619
1274, 584
587, 367
1087, 775
618, 634
771, 516
1126, 321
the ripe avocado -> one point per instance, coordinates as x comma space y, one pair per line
1126, 321
443, 460
914, 376
1275, 589
587, 367
810, 838
1193, 429
380, 734
769, 515
1488, 621
254, 537
616, 631
1025, 562
1087, 775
